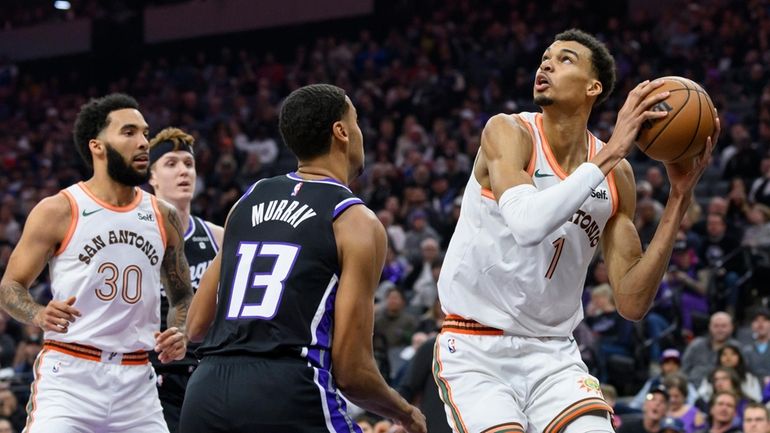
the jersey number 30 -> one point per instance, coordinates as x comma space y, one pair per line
273, 282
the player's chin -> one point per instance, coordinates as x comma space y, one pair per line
184, 192
541, 100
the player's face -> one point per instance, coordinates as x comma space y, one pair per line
356, 138
126, 147
173, 176
565, 74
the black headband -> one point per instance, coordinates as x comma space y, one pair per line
166, 146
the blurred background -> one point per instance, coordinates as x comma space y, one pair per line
425, 76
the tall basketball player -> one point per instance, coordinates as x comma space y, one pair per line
292, 318
172, 177
543, 194
108, 247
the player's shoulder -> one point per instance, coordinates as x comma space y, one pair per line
166, 209
507, 123
359, 220
55, 207
216, 230
59, 207
506, 134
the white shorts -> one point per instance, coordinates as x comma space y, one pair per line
75, 395
495, 383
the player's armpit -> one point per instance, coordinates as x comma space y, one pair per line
38, 243
204, 303
175, 272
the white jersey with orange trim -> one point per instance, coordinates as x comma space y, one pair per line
526, 291
110, 261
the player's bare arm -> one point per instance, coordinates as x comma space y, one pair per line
355, 371
175, 276
39, 241
635, 277
204, 303
506, 148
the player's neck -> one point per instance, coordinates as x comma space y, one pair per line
109, 191
565, 131
323, 168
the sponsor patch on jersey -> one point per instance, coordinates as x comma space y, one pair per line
600, 194
146, 216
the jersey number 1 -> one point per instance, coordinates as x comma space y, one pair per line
558, 244
273, 282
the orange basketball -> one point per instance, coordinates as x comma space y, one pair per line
682, 134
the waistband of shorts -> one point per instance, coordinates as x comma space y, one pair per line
245, 358
460, 325
93, 354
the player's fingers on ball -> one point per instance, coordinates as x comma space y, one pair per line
652, 115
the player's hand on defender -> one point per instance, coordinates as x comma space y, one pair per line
635, 111
57, 315
171, 345
414, 424
684, 175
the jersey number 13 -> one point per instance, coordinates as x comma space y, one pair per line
273, 282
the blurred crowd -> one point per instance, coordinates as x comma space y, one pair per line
425, 76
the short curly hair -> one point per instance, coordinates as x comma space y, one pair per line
601, 59
307, 116
94, 117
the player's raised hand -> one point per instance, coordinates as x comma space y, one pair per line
57, 315
684, 175
635, 111
171, 345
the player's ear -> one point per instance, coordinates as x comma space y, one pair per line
339, 131
594, 88
97, 146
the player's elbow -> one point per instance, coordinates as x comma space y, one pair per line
630, 312
350, 374
348, 380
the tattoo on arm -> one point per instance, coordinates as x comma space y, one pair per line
17, 301
175, 276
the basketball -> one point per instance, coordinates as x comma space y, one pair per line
682, 134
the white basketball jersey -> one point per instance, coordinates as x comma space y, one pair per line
110, 261
528, 291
